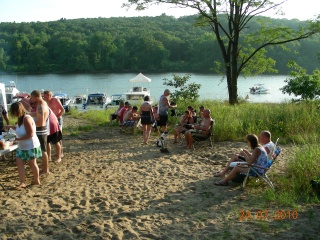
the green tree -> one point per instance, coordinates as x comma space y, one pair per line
185, 92
2, 59
36, 58
229, 20
303, 85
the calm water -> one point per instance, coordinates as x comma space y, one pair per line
212, 86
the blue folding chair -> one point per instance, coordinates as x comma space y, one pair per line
252, 169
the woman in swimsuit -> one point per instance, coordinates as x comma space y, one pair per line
184, 123
146, 118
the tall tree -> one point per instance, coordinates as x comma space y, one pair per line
229, 20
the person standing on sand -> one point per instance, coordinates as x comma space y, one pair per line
28, 144
58, 110
40, 117
146, 118
54, 136
163, 107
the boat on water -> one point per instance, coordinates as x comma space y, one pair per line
64, 99
115, 100
100, 100
11, 91
79, 99
259, 89
138, 91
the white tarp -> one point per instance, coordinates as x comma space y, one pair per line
140, 78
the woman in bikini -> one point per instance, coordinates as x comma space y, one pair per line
146, 118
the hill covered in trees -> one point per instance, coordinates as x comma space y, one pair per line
148, 44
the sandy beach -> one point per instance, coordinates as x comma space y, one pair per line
110, 186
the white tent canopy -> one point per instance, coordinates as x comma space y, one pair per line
140, 78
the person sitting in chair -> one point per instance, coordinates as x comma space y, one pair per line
201, 130
265, 139
131, 117
122, 112
193, 113
185, 121
258, 157
115, 115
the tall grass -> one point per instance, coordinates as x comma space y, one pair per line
305, 166
292, 122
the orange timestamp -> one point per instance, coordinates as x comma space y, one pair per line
277, 215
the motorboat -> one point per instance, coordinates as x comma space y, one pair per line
64, 99
137, 93
79, 99
11, 91
115, 100
97, 99
259, 89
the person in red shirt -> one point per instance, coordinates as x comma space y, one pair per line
122, 111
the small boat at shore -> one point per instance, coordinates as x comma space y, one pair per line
11, 91
259, 89
115, 100
79, 99
97, 100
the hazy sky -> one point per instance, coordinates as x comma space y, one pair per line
51, 10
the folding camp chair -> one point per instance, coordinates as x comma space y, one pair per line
204, 140
128, 126
252, 169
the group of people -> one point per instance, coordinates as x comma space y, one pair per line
148, 114
191, 125
39, 124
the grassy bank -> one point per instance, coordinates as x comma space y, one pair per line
297, 124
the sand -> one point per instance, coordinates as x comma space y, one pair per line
110, 186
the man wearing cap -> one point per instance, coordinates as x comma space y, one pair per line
163, 107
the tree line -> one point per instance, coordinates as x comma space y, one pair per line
136, 44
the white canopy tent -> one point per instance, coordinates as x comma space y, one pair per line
140, 78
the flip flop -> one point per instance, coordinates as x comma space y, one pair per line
217, 175
219, 183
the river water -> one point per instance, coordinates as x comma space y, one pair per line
212, 86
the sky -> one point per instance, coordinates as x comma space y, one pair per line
51, 10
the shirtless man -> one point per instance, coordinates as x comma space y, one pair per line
202, 129
58, 110
40, 117
55, 105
